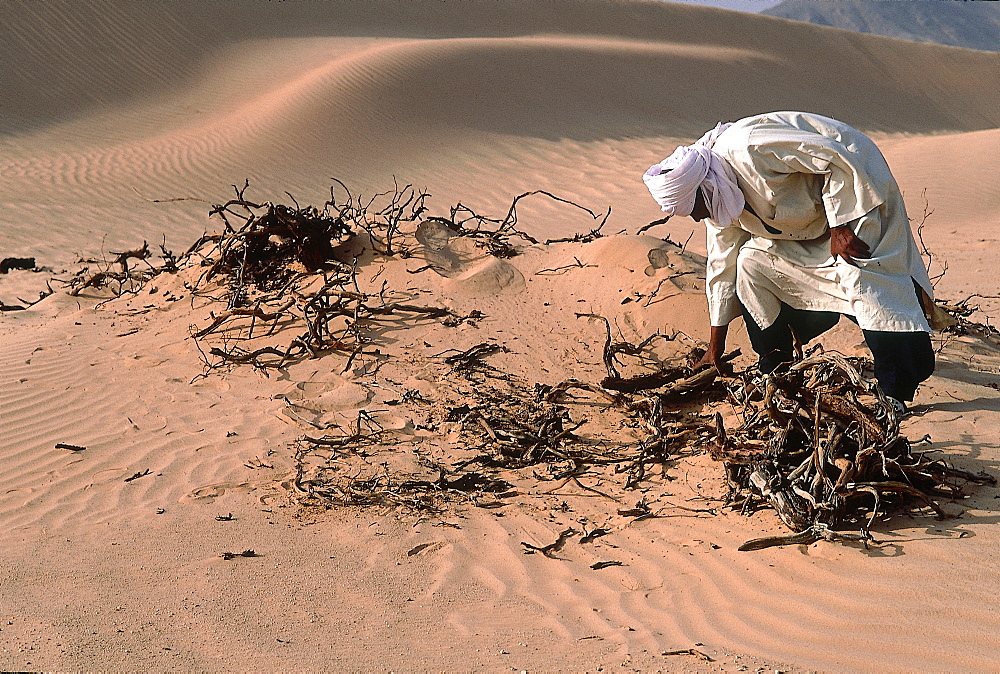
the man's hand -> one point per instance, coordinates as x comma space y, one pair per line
716, 349
844, 243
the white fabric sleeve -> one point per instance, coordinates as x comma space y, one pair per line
848, 190
724, 245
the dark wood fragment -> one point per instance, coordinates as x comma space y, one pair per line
9, 263
604, 565
72, 448
552, 548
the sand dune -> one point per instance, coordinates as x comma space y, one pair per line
106, 61
202, 109
110, 105
940, 176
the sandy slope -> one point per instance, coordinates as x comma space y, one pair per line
182, 99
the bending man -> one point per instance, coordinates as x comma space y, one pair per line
805, 224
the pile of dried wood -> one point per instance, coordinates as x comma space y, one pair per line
820, 444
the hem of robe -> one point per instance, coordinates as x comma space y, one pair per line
826, 292
883, 325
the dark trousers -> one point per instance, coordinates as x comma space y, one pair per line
902, 359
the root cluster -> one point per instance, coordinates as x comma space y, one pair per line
820, 444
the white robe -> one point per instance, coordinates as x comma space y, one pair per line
802, 174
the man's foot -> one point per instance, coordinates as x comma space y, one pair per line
898, 406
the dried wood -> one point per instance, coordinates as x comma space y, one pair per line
72, 448
819, 444
9, 263
551, 549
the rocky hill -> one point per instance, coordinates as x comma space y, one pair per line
974, 24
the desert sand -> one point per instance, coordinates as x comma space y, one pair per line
123, 122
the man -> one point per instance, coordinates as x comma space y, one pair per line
805, 223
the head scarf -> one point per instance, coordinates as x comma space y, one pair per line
674, 182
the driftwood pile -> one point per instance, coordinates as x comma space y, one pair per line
277, 270
280, 270
820, 444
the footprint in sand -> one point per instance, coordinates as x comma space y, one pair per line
58, 473
107, 474
213, 491
659, 258
26, 492
327, 402
345, 396
392, 422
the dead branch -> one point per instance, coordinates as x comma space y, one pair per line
9, 263
654, 223
551, 549
256, 312
563, 269
138, 254
819, 443
472, 357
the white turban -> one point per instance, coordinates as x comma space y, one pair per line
674, 182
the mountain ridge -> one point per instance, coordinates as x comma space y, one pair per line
971, 24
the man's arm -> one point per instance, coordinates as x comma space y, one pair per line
716, 349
